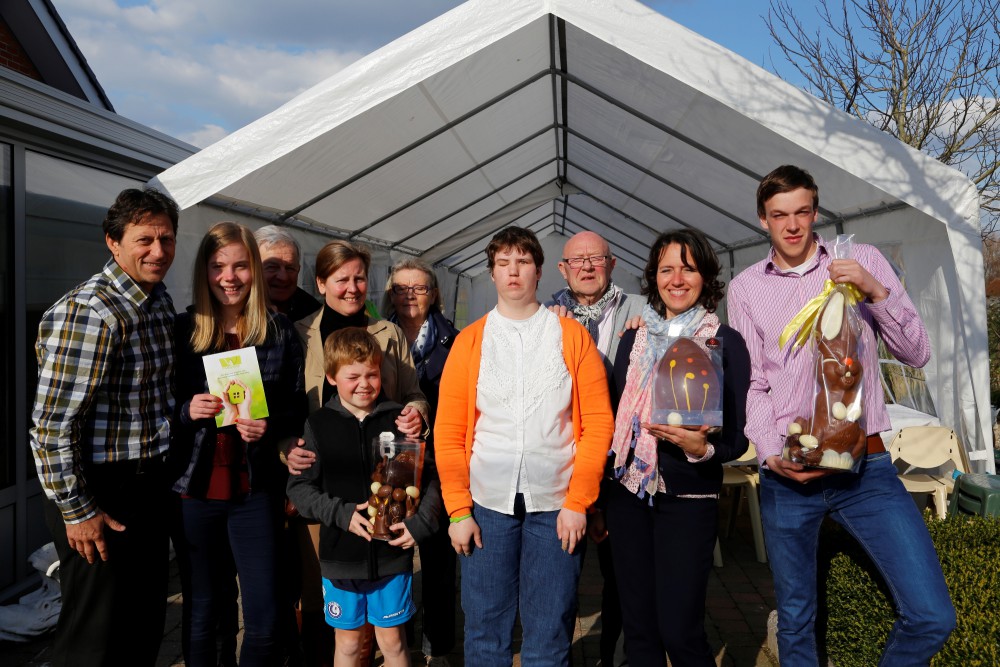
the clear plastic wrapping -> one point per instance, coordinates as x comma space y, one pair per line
687, 383
830, 429
395, 487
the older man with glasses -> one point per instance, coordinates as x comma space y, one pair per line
281, 258
603, 308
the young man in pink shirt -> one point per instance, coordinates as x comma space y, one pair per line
872, 503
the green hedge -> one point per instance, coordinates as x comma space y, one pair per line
856, 609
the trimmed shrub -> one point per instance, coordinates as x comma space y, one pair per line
856, 611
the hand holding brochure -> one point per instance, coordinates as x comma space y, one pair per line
234, 376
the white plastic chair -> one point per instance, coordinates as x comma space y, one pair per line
738, 473
924, 453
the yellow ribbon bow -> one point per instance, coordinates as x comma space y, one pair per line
805, 320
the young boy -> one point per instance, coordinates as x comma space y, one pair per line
364, 580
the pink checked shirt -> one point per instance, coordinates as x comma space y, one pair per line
760, 303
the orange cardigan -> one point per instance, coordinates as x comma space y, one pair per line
593, 424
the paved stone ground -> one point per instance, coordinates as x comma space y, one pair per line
740, 596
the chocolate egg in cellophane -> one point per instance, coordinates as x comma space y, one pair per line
687, 383
395, 487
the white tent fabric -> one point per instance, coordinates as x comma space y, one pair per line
563, 115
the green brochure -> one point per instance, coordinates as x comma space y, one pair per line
234, 376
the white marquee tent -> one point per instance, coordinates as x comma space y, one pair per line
564, 115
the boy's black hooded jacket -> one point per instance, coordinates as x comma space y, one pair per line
340, 480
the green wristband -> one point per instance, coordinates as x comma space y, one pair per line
456, 519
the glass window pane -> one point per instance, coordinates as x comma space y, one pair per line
7, 454
65, 205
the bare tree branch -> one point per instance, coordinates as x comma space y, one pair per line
924, 71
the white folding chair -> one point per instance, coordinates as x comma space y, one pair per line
928, 456
739, 474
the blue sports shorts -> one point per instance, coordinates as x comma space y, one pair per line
386, 606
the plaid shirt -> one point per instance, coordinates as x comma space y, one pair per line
105, 384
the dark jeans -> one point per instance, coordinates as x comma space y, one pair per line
248, 528
662, 558
437, 577
521, 570
875, 508
113, 611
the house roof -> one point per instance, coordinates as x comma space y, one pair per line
52, 50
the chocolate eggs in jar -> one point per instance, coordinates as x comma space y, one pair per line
396, 481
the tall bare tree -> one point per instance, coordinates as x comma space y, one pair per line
924, 71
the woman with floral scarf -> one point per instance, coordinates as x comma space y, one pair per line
662, 506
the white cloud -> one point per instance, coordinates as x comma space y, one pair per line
199, 70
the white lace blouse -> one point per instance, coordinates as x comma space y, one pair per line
523, 441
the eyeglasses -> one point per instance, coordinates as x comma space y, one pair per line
595, 261
400, 290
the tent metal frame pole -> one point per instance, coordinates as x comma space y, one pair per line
419, 142
599, 223
642, 201
510, 149
632, 111
472, 203
477, 240
664, 181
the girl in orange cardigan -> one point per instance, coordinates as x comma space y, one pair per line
522, 434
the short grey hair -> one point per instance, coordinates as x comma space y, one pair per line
272, 235
410, 263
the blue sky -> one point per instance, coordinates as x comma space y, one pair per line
200, 69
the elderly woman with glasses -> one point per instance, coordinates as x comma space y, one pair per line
413, 301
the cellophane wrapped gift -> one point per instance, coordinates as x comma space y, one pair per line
687, 383
830, 429
395, 487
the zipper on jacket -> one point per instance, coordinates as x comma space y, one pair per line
366, 470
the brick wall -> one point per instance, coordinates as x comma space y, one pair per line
12, 55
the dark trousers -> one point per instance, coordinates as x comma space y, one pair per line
662, 558
113, 611
611, 610
437, 577
211, 528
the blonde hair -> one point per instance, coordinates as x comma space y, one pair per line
350, 345
251, 327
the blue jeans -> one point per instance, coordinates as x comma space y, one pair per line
521, 568
875, 508
249, 526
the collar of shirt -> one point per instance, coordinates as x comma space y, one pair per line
124, 283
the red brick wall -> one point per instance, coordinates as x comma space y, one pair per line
12, 55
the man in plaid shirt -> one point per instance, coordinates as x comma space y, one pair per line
101, 429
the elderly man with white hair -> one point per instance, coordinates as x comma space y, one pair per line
603, 308
280, 255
